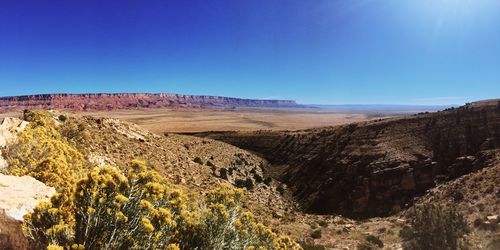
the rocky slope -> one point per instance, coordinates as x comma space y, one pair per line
192, 163
18, 196
93, 102
477, 195
377, 168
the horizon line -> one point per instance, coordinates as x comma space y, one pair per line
233, 97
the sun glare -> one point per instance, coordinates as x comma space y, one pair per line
449, 16
456, 9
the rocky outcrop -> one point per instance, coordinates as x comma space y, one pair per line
93, 102
377, 168
18, 196
8, 129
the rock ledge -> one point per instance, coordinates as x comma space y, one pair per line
18, 196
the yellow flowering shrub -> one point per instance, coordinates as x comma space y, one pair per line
173, 247
220, 224
54, 247
108, 209
139, 210
42, 152
47, 226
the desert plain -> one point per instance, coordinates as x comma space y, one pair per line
197, 120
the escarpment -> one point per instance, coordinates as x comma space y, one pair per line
95, 102
377, 168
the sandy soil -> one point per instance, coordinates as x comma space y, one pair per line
197, 120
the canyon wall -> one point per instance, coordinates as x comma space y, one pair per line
95, 102
377, 168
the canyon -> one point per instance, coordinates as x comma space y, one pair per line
379, 167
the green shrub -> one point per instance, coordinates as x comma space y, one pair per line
198, 160
258, 178
268, 181
246, 183
374, 240
434, 227
364, 246
76, 131
239, 183
62, 118
281, 188
316, 234
494, 243
223, 173
323, 223
309, 246
370, 242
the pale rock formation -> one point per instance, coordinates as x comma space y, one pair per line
18, 196
9, 127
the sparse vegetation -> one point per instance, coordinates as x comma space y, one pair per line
268, 181
198, 160
132, 209
62, 118
258, 178
245, 183
210, 164
310, 246
323, 223
435, 227
281, 188
223, 173
316, 234
374, 240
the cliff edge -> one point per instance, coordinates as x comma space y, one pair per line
98, 102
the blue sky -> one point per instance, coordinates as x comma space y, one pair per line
322, 51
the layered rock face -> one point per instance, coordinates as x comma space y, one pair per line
18, 196
94, 102
376, 168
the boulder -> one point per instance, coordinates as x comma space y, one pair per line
8, 127
492, 218
18, 196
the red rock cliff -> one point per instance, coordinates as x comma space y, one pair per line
90, 102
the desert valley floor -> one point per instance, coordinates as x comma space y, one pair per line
196, 120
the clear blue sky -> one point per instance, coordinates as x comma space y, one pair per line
321, 51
